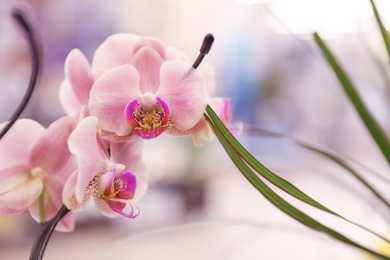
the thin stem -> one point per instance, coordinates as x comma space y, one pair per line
41, 241
20, 17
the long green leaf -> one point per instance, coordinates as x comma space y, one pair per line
279, 202
373, 127
336, 159
384, 33
271, 177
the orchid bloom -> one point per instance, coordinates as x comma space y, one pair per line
34, 164
144, 88
114, 179
137, 99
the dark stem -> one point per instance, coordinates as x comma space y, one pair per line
20, 17
204, 49
41, 241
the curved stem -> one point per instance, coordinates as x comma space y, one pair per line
20, 17
41, 241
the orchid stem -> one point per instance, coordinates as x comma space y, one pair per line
20, 17
41, 241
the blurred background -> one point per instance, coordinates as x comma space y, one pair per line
198, 205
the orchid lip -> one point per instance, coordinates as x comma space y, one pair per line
148, 119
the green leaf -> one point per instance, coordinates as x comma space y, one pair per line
275, 199
270, 176
373, 127
336, 159
384, 33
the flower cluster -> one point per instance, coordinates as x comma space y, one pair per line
135, 88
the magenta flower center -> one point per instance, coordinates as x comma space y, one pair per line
148, 119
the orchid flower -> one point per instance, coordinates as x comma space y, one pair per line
143, 89
34, 164
132, 86
114, 179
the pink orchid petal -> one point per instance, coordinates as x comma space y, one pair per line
69, 196
173, 54
13, 176
51, 152
202, 131
119, 207
184, 90
83, 144
22, 196
70, 103
11, 212
130, 155
78, 73
153, 43
110, 95
115, 51
67, 223
16, 145
103, 207
52, 204
222, 107
208, 73
65, 171
148, 62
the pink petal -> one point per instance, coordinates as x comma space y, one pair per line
51, 152
67, 223
174, 54
184, 90
130, 155
78, 73
52, 204
202, 131
22, 196
222, 107
116, 50
17, 144
70, 103
153, 43
63, 173
119, 207
148, 62
110, 95
83, 144
13, 176
11, 212
69, 196
104, 208
208, 73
